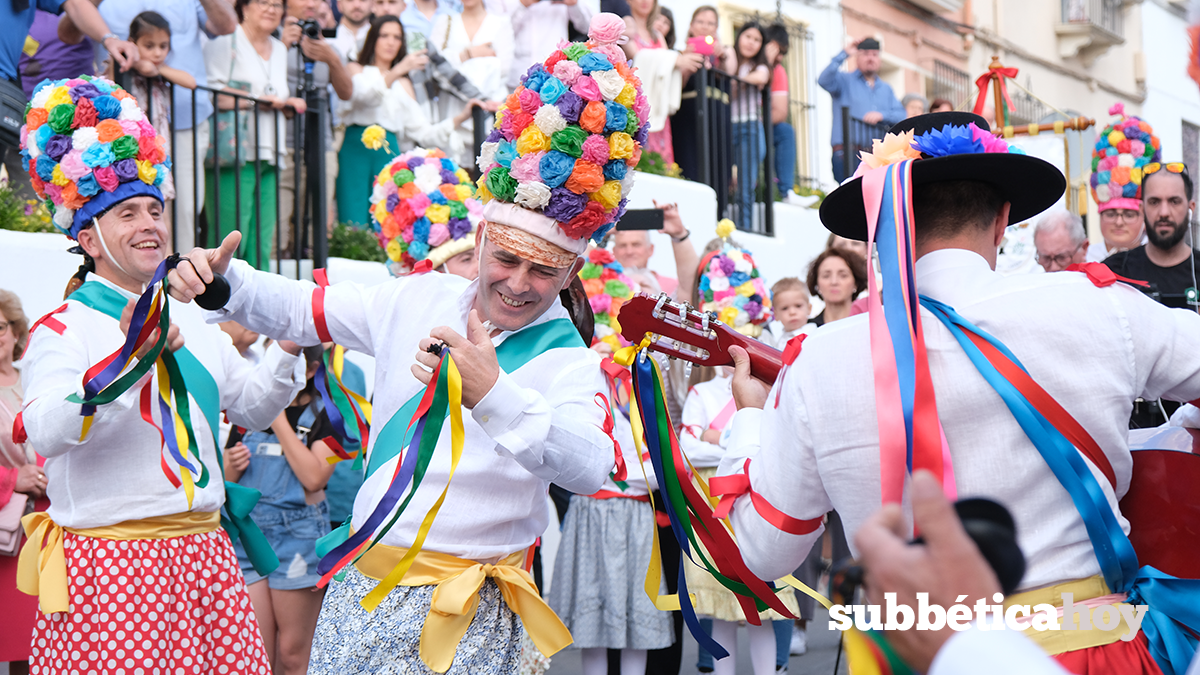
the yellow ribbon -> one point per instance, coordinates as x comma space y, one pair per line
42, 567
393, 579
456, 598
337, 362
1059, 641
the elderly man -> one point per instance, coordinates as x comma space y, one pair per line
142, 538
869, 98
529, 416
633, 249
812, 448
1060, 241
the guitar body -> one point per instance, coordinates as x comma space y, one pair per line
1164, 511
680, 331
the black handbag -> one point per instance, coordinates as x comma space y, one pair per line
12, 113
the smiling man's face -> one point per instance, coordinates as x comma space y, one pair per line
513, 292
136, 239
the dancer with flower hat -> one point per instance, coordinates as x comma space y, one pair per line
424, 211
129, 563
965, 376
501, 399
1122, 150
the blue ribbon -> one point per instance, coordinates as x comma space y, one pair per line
1173, 602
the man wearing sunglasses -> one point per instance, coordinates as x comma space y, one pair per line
1167, 261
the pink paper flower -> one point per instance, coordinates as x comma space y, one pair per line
106, 177
72, 165
1108, 163
131, 128
595, 150
418, 204
568, 71
613, 52
607, 28
991, 142
1137, 148
641, 107
587, 89
525, 168
438, 234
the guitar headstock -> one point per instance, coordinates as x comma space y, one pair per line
674, 328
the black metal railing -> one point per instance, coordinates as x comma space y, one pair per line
1106, 14
857, 136
950, 83
716, 142
235, 131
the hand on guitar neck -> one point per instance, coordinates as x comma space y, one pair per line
748, 390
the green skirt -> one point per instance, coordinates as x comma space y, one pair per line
357, 168
250, 211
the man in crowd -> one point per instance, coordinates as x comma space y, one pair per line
1060, 241
129, 505
188, 20
1167, 260
812, 448
869, 98
783, 134
352, 28
328, 70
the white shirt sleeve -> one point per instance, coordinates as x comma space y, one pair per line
503, 43
992, 652
218, 59
700, 453
254, 394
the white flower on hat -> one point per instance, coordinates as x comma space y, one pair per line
549, 120
64, 218
741, 319
718, 283
83, 138
602, 331
532, 195
1125, 160
40, 98
1102, 193
611, 83
626, 184
130, 110
743, 265
378, 193
428, 177
487, 156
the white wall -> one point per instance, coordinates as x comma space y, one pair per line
1171, 95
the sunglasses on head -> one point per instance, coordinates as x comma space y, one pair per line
1173, 167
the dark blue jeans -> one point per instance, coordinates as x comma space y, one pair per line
749, 147
784, 137
839, 167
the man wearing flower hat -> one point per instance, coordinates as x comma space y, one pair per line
833, 435
1123, 150
131, 548
556, 171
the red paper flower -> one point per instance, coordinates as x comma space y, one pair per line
587, 222
85, 114
601, 256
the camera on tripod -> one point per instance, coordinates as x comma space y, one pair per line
313, 30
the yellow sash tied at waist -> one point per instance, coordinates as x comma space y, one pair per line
1060, 641
456, 598
42, 568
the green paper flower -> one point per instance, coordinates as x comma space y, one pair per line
569, 141
125, 147
603, 319
617, 289
631, 124
501, 185
576, 51
591, 271
458, 210
61, 118
402, 177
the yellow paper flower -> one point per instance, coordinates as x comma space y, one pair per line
481, 191
609, 194
725, 228
627, 96
463, 175
463, 189
746, 290
893, 148
393, 249
381, 212
620, 146
438, 213
58, 178
146, 172
375, 137
1113, 138
532, 140
728, 315
59, 96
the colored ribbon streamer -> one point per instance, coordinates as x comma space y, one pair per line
998, 75
342, 404
732, 487
1173, 617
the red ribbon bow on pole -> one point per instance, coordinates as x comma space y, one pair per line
997, 74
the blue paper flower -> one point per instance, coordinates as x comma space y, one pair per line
99, 154
88, 187
418, 249
437, 197
601, 232
506, 152
107, 107
556, 168
594, 61
618, 116
737, 279
551, 90
615, 169
420, 231
949, 140
45, 168
535, 77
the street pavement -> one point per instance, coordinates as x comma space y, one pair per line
822, 653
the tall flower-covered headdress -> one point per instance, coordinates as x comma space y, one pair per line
88, 146
423, 207
558, 165
1122, 149
607, 290
731, 287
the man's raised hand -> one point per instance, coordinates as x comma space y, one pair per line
174, 337
190, 278
474, 356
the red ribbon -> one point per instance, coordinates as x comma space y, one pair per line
732, 487
790, 352
1101, 276
997, 74
621, 473
318, 305
18, 431
422, 267
49, 322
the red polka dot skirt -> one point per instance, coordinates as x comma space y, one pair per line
142, 606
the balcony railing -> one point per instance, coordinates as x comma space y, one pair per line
1089, 27
1105, 14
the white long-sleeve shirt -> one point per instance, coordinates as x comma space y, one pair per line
703, 404
113, 475
992, 652
538, 424
1093, 349
539, 28
394, 109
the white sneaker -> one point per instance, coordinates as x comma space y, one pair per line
799, 641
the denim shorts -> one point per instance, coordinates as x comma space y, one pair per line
293, 535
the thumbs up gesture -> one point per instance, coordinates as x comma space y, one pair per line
474, 356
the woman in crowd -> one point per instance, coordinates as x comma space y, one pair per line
749, 139
384, 95
836, 276
252, 63
704, 24
22, 479
665, 25
287, 464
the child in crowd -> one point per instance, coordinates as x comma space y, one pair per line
152, 35
792, 306
287, 464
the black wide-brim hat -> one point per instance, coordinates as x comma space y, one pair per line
1030, 184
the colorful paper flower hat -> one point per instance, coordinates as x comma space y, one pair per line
423, 207
87, 146
607, 290
731, 287
1122, 149
559, 163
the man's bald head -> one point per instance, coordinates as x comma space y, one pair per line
632, 248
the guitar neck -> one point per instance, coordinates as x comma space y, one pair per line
765, 361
